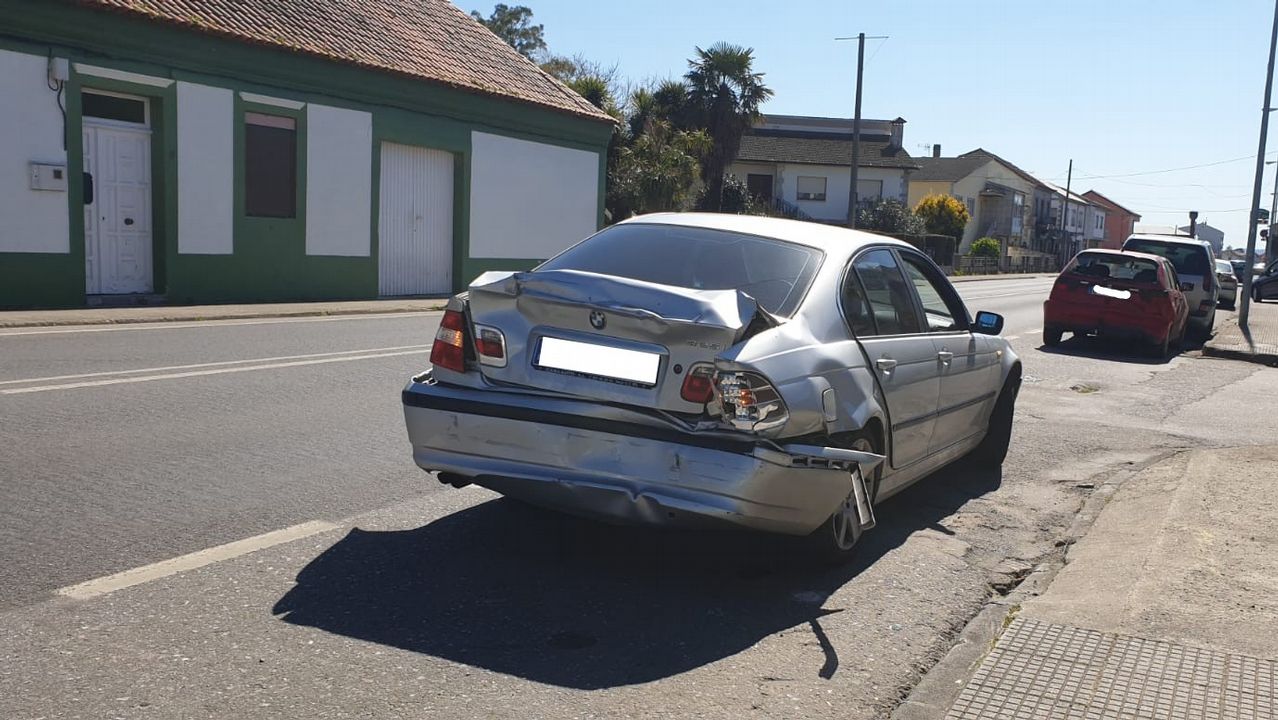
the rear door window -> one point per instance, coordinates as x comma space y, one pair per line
887, 294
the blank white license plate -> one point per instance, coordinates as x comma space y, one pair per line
571, 356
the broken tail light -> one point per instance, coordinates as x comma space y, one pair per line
449, 350
750, 402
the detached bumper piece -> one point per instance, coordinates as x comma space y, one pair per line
625, 465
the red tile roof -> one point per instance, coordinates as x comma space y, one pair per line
425, 39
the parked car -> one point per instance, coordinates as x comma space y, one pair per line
1238, 266
1118, 294
688, 368
1196, 268
1264, 285
1226, 284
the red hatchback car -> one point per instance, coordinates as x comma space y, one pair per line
1118, 294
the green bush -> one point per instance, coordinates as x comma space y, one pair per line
890, 216
986, 247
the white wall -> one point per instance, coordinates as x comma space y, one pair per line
206, 159
838, 178
339, 181
35, 221
530, 200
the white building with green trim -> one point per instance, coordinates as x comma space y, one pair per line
223, 151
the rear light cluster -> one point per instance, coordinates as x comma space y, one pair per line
747, 400
750, 402
449, 350
490, 345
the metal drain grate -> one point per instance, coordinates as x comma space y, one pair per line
1044, 671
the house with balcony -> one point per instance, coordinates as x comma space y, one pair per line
1120, 222
802, 165
997, 194
1083, 228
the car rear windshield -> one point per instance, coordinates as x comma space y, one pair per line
1187, 259
1224, 267
775, 273
1117, 267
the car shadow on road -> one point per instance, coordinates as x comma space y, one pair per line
1125, 351
574, 603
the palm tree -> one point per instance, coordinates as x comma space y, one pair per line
725, 93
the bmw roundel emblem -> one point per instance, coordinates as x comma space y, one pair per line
597, 320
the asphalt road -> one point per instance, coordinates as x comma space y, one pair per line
406, 599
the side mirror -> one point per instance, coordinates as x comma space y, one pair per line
1186, 286
988, 323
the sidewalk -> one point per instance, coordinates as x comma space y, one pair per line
1260, 345
1166, 608
189, 313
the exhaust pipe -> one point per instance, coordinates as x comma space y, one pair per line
457, 481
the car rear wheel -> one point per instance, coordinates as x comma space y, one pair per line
1052, 336
836, 540
998, 436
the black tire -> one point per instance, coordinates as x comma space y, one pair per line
1162, 349
835, 542
1052, 336
998, 435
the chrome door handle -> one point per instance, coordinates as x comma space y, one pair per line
885, 364
945, 356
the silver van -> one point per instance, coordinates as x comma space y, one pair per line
1196, 269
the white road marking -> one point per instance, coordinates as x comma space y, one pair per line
1015, 294
165, 568
211, 364
182, 325
1012, 337
1035, 330
198, 373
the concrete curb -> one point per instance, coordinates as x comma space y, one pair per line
1238, 352
1000, 276
126, 320
941, 685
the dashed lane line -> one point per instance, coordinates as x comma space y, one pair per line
184, 325
221, 363
155, 571
199, 373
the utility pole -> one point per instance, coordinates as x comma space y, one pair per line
856, 131
1245, 310
1069, 182
856, 124
1273, 218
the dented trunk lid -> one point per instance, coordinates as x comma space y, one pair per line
608, 338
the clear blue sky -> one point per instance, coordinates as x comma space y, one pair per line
1120, 86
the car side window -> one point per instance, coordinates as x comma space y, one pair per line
890, 302
1172, 277
943, 312
856, 308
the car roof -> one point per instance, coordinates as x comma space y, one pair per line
1170, 239
1123, 253
831, 239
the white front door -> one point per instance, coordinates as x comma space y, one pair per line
117, 224
415, 221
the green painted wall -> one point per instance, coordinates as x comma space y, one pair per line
269, 260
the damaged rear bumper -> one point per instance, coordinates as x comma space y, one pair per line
624, 465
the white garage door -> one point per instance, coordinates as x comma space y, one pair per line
415, 221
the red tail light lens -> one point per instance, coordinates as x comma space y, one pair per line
698, 384
450, 342
490, 343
